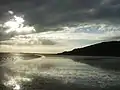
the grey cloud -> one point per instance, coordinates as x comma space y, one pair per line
48, 42
50, 12
113, 38
34, 12
56, 12
28, 42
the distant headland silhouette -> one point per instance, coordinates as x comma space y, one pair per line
111, 48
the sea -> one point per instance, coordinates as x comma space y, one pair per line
34, 71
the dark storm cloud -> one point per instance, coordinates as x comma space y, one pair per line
59, 11
109, 9
51, 12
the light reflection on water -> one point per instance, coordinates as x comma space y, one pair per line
19, 71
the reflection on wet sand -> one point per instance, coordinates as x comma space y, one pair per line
3, 72
17, 72
6, 73
107, 63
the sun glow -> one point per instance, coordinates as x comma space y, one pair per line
16, 25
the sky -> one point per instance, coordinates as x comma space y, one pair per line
52, 26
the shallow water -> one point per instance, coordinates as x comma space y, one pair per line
32, 72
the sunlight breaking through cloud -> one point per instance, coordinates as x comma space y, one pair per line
65, 37
16, 25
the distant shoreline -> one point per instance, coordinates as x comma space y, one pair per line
38, 55
111, 49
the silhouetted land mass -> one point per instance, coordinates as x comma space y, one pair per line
111, 48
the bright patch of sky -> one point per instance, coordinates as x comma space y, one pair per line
66, 37
16, 25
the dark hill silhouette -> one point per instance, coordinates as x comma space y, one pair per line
101, 49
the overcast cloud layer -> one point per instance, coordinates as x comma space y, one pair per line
65, 23
50, 12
